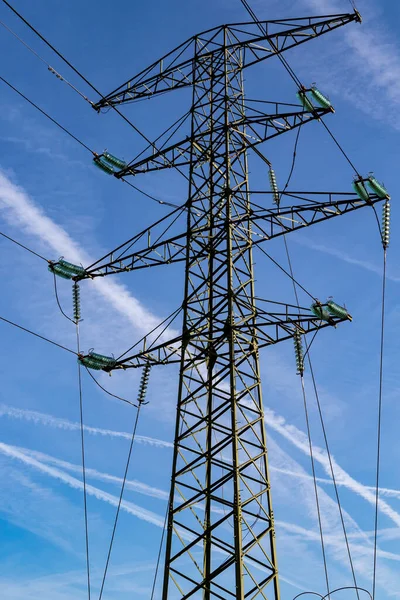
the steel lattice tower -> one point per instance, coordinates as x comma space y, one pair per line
220, 538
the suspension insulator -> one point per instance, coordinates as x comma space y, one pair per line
320, 98
338, 311
274, 186
360, 189
97, 361
101, 164
386, 224
320, 312
76, 301
114, 160
66, 270
298, 350
377, 187
144, 382
305, 101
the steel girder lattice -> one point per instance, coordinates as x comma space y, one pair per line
221, 537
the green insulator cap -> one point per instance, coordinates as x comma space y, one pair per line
90, 364
101, 164
360, 190
58, 270
320, 98
320, 312
74, 269
306, 102
377, 187
107, 361
114, 160
337, 311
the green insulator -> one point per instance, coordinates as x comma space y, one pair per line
90, 364
74, 269
320, 98
386, 224
377, 187
298, 350
57, 270
106, 361
274, 185
360, 190
144, 382
114, 161
338, 311
76, 301
320, 312
101, 164
305, 101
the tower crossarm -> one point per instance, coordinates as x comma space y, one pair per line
260, 127
270, 223
175, 69
270, 328
266, 224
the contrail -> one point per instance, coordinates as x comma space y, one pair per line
299, 439
20, 211
43, 419
130, 507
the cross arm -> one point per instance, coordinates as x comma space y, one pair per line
175, 70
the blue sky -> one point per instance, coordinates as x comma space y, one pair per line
52, 199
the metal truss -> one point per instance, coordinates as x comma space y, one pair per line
221, 538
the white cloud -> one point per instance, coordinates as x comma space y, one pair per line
20, 211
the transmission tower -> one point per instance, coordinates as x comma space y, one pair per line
220, 538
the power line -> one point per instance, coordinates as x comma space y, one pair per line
295, 79
87, 81
37, 335
120, 499
107, 392
24, 247
379, 434
83, 462
50, 68
46, 114
74, 137
321, 533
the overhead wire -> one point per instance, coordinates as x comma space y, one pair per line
159, 553
62, 57
379, 428
79, 141
83, 462
107, 391
120, 500
50, 68
37, 335
298, 82
24, 247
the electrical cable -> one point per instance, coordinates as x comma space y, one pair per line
83, 462
79, 142
87, 81
159, 553
24, 247
315, 482
338, 502
296, 80
120, 499
50, 68
107, 392
37, 335
58, 301
46, 115
284, 271
379, 433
